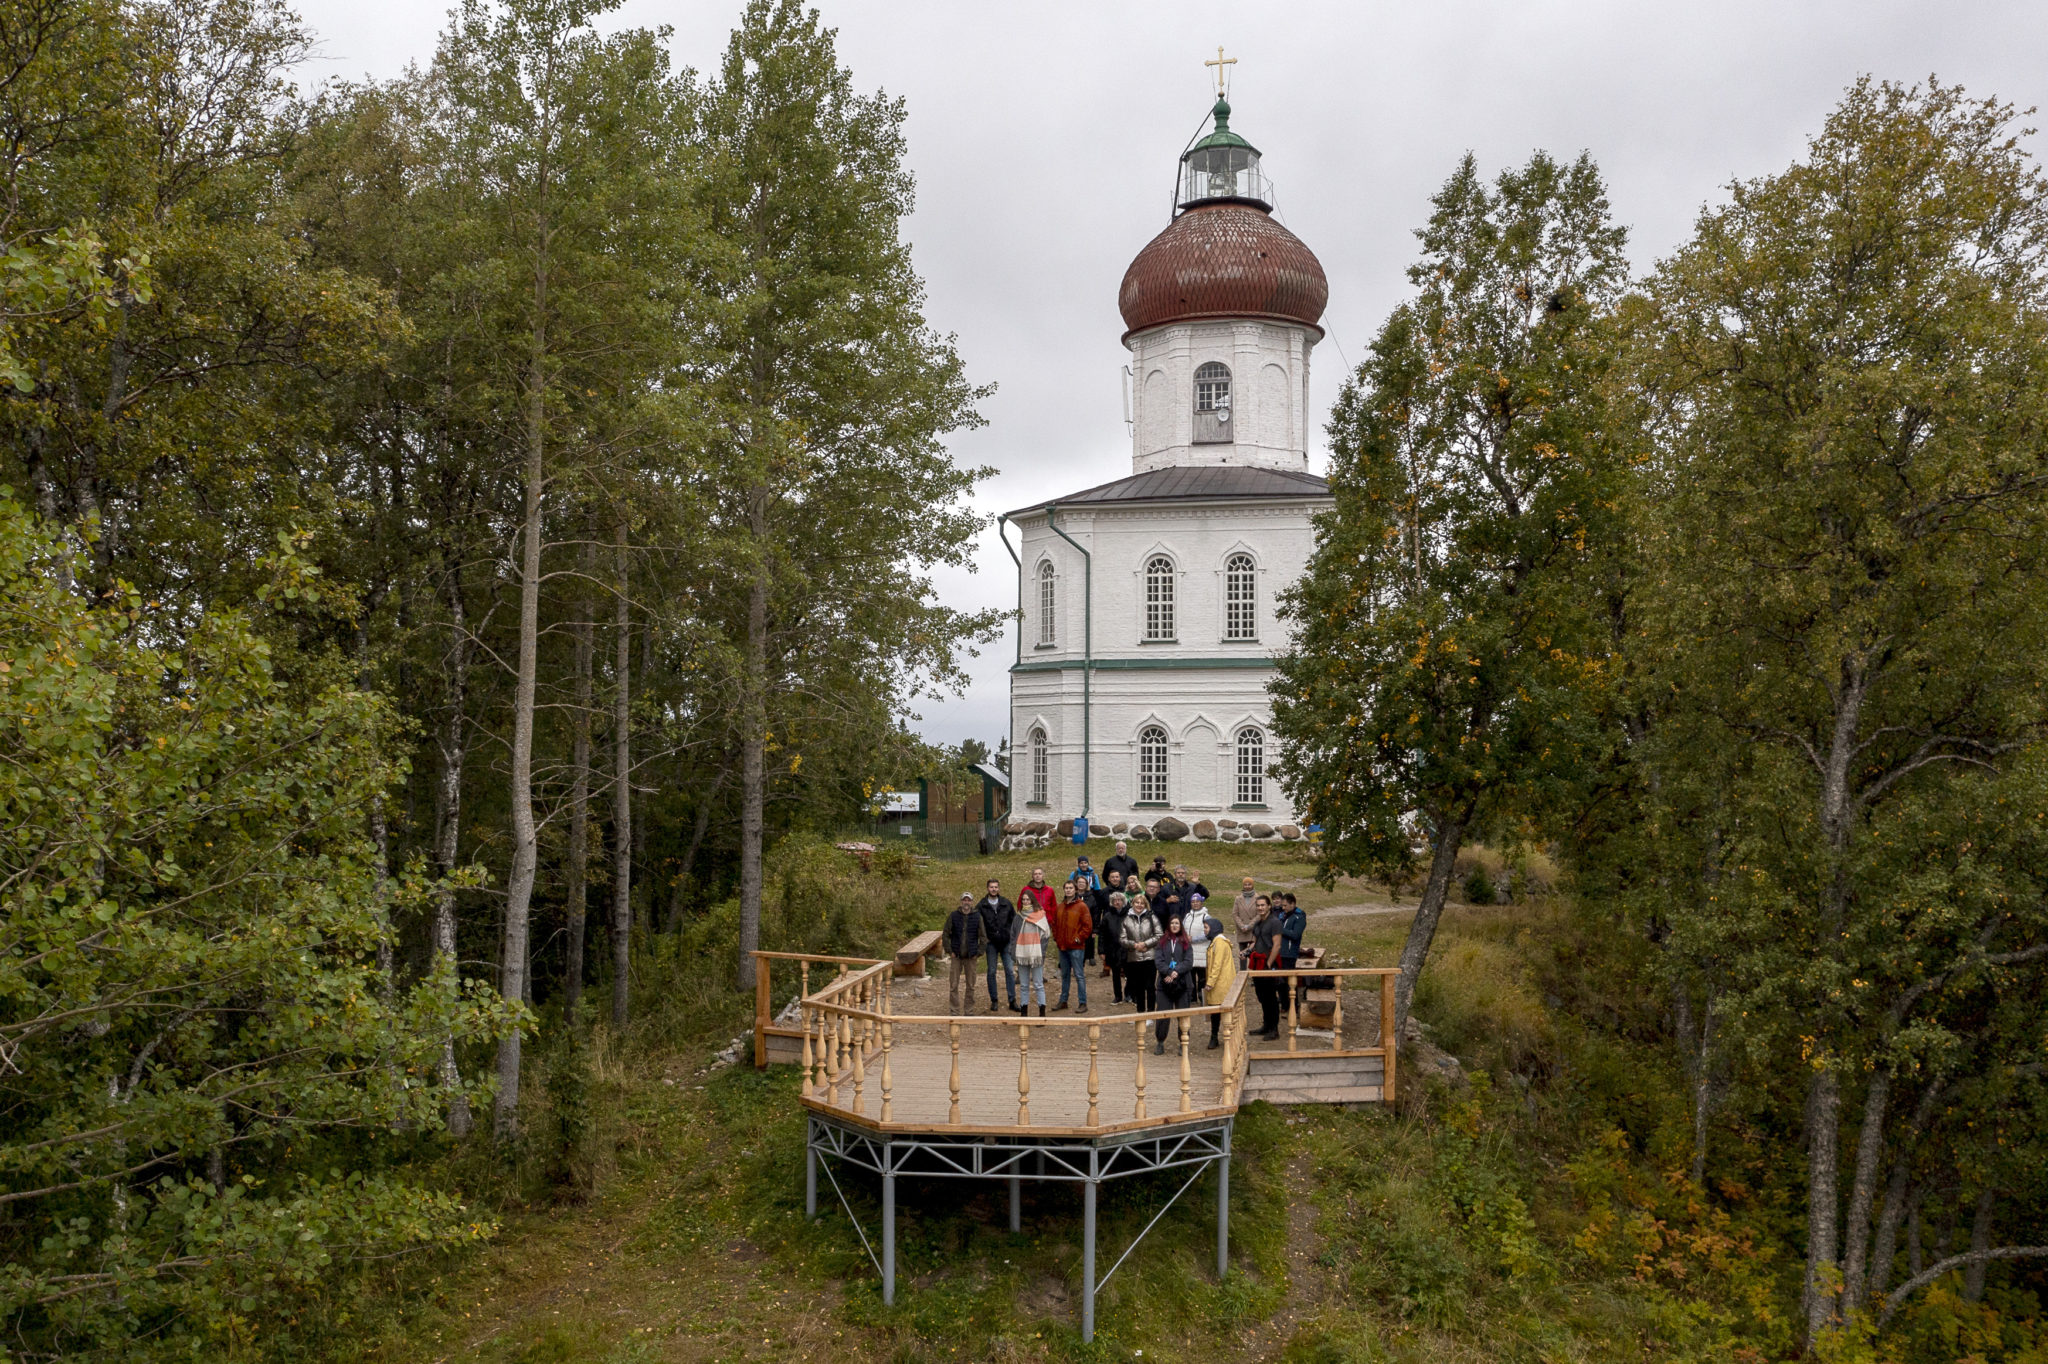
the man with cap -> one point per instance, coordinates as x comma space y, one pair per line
963, 954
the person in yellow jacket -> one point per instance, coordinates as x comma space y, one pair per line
1222, 969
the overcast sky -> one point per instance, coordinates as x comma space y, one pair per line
1044, 139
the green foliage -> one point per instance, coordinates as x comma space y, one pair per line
1840, 624
1478, 887
1448, 627
190, 999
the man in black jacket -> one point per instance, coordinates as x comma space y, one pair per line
963, 951
999, 941
1123, 863
1109, 927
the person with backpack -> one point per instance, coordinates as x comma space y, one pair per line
1073, 928
1293, 923
1111, 939
1140, 936
1108, 950
963, 953
998, 932
1174, 960
1032, 932
1221, 970
1196, 924
1084, 875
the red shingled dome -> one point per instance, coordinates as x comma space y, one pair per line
1223, 260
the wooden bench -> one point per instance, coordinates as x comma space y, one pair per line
910, 957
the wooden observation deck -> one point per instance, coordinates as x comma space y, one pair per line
895, 1084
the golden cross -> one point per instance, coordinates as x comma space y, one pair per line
1220, 62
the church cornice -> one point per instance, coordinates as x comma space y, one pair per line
1164, 662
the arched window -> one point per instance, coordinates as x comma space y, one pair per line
1251, 766
1047, 600
1240, 598
1212, 403
1159, 597
1152, 765
1039, 777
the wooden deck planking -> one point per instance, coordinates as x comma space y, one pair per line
920, 1093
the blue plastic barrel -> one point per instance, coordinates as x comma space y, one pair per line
1081, 828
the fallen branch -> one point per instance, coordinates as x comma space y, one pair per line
1894, 1301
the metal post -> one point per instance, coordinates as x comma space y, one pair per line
810, 1176
1016, 1203
1223, 1210
889, 1228
1088, 1261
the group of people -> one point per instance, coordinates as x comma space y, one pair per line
1152, 935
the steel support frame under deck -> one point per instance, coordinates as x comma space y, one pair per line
1056, 1160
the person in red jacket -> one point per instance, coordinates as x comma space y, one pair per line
1072, 928
1038, 890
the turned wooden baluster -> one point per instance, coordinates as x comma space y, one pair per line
1229, 1074
860, 1065
1337, 1016
1140, 1112
803, 988
1186, 1092
1094, 1075
1293, 1010
953, 1084
804, 1087
817, 1017
888, 1077
1023, 1075
841, 1036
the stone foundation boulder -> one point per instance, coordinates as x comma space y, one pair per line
1232, 835
1139, 833
1121, 829
1226, 824
1290, 832
1065, 829
1262, 831
1038, 827
1169, 829
1204, 829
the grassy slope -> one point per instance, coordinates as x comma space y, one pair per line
1445, 1234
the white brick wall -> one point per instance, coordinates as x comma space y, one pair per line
1200, 687
1269, 390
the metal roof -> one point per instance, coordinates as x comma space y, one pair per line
1207, 482
1223, 258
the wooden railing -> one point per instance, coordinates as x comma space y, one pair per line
834, 971
850, 1045
1296, 995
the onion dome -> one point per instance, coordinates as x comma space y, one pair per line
1223, 256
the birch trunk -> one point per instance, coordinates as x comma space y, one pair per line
1863, 1192
753, 745
525, 835
576, 873
1448, 838
1823, 1133
453, 744
622, 793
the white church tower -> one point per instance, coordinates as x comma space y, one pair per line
1149, 604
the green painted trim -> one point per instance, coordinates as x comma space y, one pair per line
1104, 664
